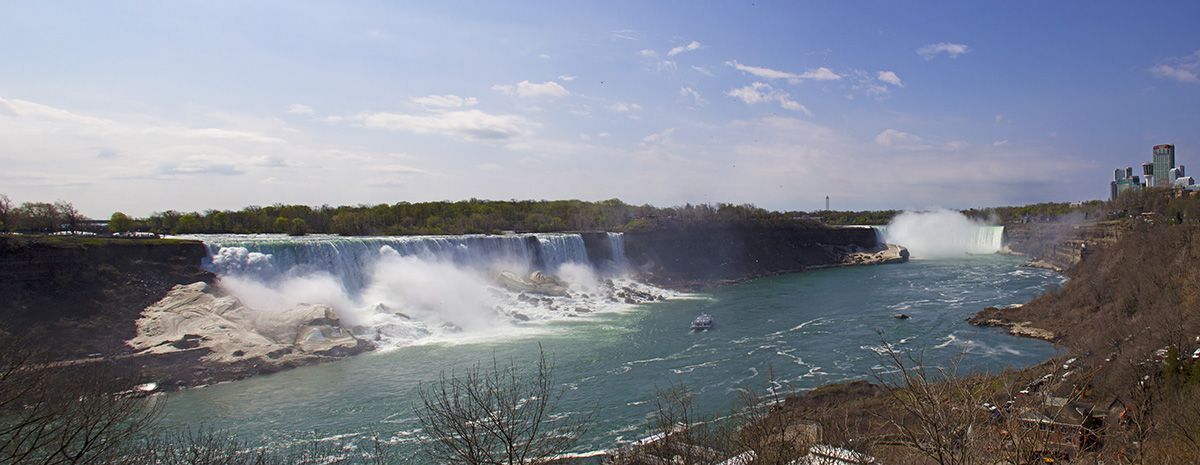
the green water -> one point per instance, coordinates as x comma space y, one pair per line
809, 329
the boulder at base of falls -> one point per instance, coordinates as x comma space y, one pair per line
193, 318
537, 283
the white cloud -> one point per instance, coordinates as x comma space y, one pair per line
300, 109
193, 167
392, 168
952, 50
566, 78
690, 46
659, 138
623, 34
900, 139
765, 73
271, 161
647, 53
466, 124
1000, 143
625, 107
759, 92
890, 77
1183, 69
703, 70
819, 74
687, 91
445, 101
211, 133
955, 145
36, 111
533, 89
863, 83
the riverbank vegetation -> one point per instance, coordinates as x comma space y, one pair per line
477, 216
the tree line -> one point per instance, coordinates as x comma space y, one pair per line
472, 216
42, 217
477, 216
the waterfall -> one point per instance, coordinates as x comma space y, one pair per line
270, 257
559, 249
616, 246
942, 234
404, 289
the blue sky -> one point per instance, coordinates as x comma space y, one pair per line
141, 107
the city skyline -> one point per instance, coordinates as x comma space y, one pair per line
194, 106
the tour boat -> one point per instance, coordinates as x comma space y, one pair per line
702, 322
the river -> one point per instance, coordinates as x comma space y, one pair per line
808, 329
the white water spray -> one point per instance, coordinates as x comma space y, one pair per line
942, 234
426, 288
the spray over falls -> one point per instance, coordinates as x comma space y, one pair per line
942, 234
401, 290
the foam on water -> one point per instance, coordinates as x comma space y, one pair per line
426, 289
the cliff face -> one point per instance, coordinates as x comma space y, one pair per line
687, 257
1062, 244
88, 292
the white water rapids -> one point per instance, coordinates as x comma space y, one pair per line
405, 290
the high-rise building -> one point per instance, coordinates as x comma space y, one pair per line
1164, 160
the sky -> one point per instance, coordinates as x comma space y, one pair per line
193, 105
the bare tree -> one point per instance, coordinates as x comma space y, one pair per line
501, 415
70, 215
769, 432
36, 216
1179, 438
685, 436
64, 414
936, 414
6, 208
204, 447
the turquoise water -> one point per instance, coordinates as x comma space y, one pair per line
809, 329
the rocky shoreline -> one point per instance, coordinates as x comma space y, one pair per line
994, 316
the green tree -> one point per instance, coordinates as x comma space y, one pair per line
297, 227
120, 222
188, 224
281, 225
